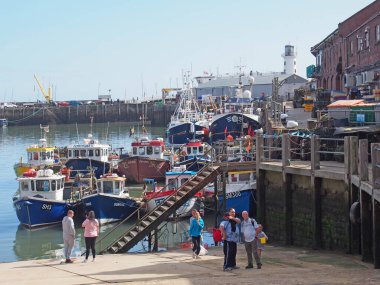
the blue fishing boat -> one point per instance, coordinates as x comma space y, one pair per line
89, 157
187, 122
3, 123
111, 201
39, 199
237, 119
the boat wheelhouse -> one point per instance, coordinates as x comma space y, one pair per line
174, 179
111, 202
38, 156
39, 198
146, 159
194, 155
89, 156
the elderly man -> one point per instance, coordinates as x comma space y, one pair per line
230, 236
248, 228
68, 235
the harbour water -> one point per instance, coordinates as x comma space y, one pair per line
18, 243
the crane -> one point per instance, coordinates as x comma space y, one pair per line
48, 96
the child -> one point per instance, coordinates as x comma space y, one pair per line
261, 241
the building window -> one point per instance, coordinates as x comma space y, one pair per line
360, 41
351, 48
366, 37
377, 33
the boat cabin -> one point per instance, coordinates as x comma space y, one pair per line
43, 183
177, 177
41, 154
238, 105
193, 148
148, 148
241, 177
111, 184
91, 149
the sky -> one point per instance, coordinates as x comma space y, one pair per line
83, 48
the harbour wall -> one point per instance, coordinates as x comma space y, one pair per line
157, 115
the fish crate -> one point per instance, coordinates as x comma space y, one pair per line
362, 114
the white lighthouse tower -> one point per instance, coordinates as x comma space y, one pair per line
290, 64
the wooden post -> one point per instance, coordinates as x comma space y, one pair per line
287, 190
224, 182
347, 186
155, 246
354, 146
375, 158
216, 202
315, 156
354, 229
366, 222
285, 152
260, 179
376, 232
363, 160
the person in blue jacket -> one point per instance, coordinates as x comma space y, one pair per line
195, 231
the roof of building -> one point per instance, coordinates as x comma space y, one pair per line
260, 79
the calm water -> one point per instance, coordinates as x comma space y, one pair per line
18, 243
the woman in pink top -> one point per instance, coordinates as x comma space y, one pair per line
91, 232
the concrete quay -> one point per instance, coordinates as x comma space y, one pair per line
281, 265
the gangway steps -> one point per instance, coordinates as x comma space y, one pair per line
153, 219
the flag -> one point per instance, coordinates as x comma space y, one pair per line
249, 131
253, 133
205, 72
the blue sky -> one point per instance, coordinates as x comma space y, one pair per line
80, 46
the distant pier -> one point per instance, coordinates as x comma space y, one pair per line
156, 114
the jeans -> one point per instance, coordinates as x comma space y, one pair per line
196, 244
90, 243
68, 243
251, 247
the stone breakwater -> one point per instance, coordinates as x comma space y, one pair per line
156, 115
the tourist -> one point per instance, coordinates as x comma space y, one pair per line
230, 236
248, 228
91, 232
261, 240
68, 235
195, 231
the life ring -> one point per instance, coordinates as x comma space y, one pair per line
30, 173
355, 213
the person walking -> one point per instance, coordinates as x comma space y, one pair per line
68, 229
248, 228
91, 232
195, 231
230, 236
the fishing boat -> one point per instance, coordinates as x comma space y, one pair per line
39, 156
39, 199
174, 180
111, 201
90, 156
237, 118
187, 122
194, 155
145, 160
3, 123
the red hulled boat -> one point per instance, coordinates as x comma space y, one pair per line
146, 160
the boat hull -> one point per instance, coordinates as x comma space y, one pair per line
109, 208
84, 165
241, 201
38, 212
136, 168
155, 199
234, 124
181, 134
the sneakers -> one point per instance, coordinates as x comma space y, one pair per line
236, 267
93, 260
197, 257
249, 266
194, 254
227, 269
85, 260
259, 265
69, 261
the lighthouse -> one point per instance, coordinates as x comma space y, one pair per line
290, 65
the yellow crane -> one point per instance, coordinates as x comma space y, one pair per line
48, 96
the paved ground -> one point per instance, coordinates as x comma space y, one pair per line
282, 265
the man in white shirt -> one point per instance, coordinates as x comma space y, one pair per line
248, 228
68, 235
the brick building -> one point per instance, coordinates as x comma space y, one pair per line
349, 58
